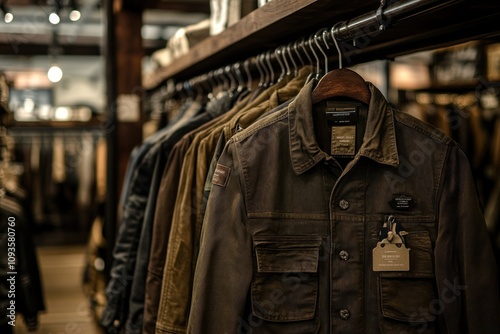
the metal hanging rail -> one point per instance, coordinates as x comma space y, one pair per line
373, 23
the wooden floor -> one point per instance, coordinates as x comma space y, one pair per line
67, 310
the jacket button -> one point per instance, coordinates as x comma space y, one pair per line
344, 205
344, 314
343, 255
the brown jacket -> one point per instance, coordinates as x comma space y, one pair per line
183, 241
288, 235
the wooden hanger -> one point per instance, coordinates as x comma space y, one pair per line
340, 82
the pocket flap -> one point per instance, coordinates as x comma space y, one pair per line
287, 254
289, 260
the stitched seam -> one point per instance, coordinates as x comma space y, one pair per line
287, 215
242, 178
421, 127
239, 137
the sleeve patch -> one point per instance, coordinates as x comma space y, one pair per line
221, 175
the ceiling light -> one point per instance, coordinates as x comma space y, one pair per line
8, 17
75, 15
55, 74
54, 18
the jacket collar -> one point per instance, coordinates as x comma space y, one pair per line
379, 141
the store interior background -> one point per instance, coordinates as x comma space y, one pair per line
74, 106
73, 113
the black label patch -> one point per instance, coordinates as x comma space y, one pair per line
402, 202
221, 175
341, 116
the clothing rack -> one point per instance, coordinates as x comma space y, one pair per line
22, 133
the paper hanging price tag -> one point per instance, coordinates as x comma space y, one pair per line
389, 256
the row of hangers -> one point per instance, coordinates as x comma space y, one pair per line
339, 82
289, 58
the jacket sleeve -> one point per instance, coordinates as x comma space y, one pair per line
125, 250
224, 268
466, 270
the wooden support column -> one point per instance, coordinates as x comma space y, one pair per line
128, 58
124, 53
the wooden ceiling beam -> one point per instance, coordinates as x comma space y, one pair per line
26, 2
191, 6
42, 50
184, 6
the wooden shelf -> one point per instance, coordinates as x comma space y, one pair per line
278, 22
457, 87
282, 21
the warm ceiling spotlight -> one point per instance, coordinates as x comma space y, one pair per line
54, 14
54, 18
75, 15
8, 17
55, 74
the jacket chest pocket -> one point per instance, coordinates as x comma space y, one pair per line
409, 302
284, 289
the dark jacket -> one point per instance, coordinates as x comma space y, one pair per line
134, 200
289, 231
126, 290
25, 290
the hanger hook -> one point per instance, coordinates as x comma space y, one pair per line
215, 78
189, 89
288, 70
310, 43
265, 69
332, 33
324, 34
206, 84
288, 48
212, 82
296, 49
236, 77
304, 49
271, 69
195, 89
230, 75
239, 76
316, 37
261, 71
246, 66
225, 81
261, 74
277, 53
218, 76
